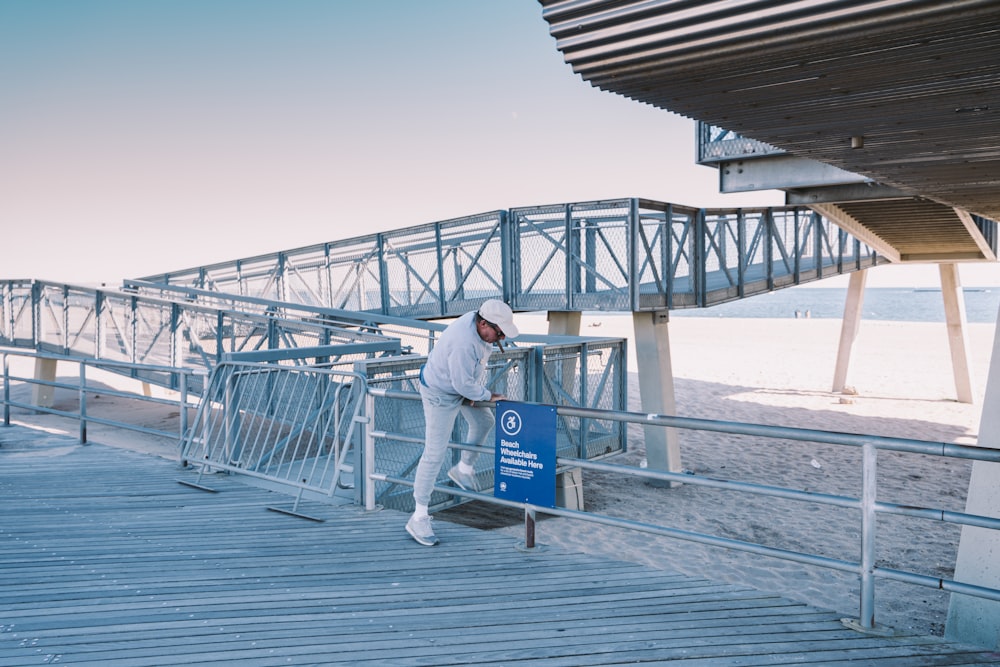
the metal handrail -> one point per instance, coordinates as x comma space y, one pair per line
867, 504
149, 331
185, 400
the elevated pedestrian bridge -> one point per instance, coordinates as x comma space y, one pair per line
628, 255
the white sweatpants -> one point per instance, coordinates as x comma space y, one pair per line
440, 412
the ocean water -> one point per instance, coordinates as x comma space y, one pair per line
897, 304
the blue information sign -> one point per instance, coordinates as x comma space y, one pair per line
525, 466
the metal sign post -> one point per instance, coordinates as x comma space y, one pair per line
525, 461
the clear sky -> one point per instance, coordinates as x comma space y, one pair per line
138, 137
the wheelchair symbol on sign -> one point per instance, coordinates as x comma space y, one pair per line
510, 422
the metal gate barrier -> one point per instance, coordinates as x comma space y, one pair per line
588, 374
291, 427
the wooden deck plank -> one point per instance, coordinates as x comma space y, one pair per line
105, 559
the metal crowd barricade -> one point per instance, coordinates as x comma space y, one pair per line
291, 426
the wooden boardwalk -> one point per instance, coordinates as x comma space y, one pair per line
105, 559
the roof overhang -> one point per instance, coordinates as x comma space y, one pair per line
905, 94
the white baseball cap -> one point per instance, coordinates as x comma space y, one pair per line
500, 314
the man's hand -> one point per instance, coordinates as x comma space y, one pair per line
493, 399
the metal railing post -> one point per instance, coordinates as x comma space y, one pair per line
868, 498
183, 382
230, 419
536, 377
569, 248
529, 527
133, 329
65, 319
667, 255
36, 305
797, 244
769, 236
697, 259
368, 458
83, 403
442, 297
100, 303
632, 234
385, 300
6, 390
507, 272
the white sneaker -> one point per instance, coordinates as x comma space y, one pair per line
420, 530
464, 480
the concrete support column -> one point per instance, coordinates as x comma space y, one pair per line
569, 483
849, 327
958, 337
562, 323
970, 619
656, 387
43, 395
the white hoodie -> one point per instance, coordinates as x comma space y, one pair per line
457, 364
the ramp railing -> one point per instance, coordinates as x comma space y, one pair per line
89, 383
414, 336
586, 374
148, 330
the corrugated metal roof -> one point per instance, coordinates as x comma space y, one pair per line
918, 82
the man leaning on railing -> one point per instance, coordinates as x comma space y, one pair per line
454, 376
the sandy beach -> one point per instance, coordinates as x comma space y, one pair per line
780, 372
776, 372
